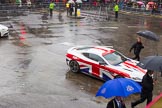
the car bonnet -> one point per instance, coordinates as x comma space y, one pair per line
3, 27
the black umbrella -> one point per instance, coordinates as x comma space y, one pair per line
149, 35
151, 63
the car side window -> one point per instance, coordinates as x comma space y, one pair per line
93, 57
86, 55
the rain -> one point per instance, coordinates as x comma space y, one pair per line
33, 65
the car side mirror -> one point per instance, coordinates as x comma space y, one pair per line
102, 63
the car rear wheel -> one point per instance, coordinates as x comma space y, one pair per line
6, 35
74, 66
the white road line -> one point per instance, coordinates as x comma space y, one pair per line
104, 28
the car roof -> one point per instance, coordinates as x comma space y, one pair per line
99, 50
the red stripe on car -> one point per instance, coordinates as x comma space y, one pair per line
95, 70
105, 51
126, 63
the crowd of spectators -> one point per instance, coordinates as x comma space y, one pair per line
155, 7
23, 1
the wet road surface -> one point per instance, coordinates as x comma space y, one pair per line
32, 59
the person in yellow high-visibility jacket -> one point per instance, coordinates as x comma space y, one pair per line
51, 7
67, 8
116, 9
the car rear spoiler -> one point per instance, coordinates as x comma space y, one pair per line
94, 46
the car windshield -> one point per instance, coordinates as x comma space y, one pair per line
115, 58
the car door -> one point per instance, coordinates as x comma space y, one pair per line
95, 65
92, 63
99, 68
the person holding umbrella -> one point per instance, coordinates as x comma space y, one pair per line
118, 88
116, 102
147, 89
137, 46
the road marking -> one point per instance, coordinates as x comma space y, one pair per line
94, 28
132, 26
138, 26
108, 27
67, 44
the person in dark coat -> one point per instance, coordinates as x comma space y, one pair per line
71, 9
137, 48
116, 102
147, 89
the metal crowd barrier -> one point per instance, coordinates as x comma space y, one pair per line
13, 9
141, 11
91, 7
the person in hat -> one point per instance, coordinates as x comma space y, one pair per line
147, 89
116, 102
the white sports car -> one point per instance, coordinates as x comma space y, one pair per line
3, 31
103, 62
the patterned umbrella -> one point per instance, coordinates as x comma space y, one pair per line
118, 87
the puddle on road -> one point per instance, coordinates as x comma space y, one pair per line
24, 31
25, 63
21, 43
49, 36
44, 16
38, 30
4, 19
23, 53
84, 82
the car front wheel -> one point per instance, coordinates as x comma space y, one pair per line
74, 66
